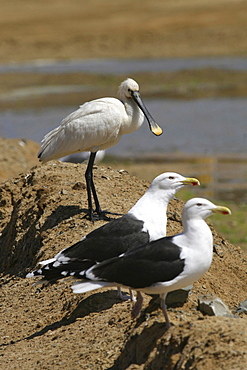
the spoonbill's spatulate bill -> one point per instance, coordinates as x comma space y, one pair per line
145, 221
162, 265
98, 125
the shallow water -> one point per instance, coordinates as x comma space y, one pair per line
120, 66
203, 126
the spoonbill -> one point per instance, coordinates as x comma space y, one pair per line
97, 125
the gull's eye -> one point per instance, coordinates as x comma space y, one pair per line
171, 177
199, 204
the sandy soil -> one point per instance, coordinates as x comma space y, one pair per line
16, 156
42, 211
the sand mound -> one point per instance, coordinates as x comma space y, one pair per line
43, 211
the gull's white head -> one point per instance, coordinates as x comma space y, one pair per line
172, 181
200, 208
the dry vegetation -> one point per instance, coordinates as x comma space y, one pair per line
126, 29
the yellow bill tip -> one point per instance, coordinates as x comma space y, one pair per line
222, 209
156, 130
191, 181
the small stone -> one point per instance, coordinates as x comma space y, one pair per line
64, 192
22, 143
79, 186
242, 307
174, 216
218, 250
213, 306
178, 297
112, 321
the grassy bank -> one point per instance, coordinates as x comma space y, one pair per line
25, 90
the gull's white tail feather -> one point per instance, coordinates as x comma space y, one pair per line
87, 286
30, 275
46, 262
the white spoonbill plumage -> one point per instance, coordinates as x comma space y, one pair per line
162, 265
98, 125
145, 221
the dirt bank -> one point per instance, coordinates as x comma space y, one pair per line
16, 156
43, 211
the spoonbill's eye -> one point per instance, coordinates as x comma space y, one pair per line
199, 204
